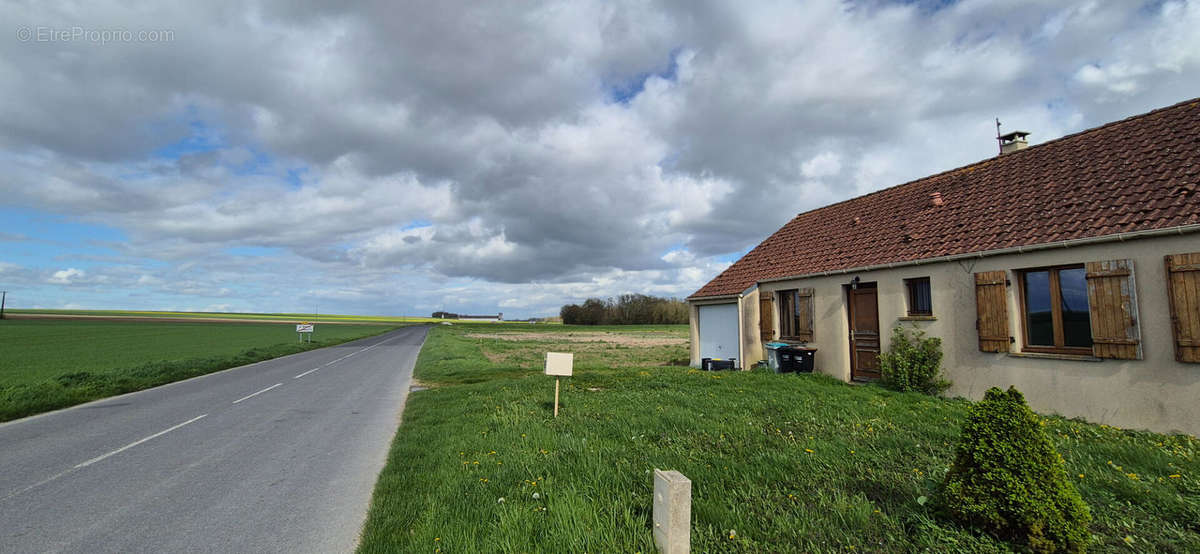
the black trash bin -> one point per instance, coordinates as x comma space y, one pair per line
797, 358
711, 364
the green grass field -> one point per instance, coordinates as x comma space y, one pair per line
49, 364
327, 318
779, 463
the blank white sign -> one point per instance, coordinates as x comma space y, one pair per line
559, 363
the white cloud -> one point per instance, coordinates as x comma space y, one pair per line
527, 157
67, 276
825, 164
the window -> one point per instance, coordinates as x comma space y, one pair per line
796, 315
920, 302
1056, 314
1074, 309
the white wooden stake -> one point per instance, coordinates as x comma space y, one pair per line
556, 397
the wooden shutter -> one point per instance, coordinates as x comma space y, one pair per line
1112, 307
991, 309
1183, 295
804, 307
766, 317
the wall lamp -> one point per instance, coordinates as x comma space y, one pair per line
854, 283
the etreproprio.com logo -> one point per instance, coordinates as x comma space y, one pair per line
79, 33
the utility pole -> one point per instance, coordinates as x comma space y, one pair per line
3, 297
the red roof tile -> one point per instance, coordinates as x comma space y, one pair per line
1135, 174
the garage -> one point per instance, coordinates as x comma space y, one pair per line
718, 330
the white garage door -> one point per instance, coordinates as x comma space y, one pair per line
719, 331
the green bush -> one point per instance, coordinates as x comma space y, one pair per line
1008, 480
913, 363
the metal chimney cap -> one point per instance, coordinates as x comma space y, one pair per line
1013, 136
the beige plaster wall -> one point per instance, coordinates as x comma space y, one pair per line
1154, 393
694, 333
750, 341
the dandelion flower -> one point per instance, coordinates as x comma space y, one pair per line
536, 496
732, 533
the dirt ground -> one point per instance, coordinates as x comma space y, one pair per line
605, 337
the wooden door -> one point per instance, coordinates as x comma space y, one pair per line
864, 332
766, 318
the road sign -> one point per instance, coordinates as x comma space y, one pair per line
304, 328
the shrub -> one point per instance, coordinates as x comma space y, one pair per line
913, 362
1008, 480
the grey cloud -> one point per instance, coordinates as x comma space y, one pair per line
495, 123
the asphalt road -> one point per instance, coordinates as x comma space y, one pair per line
278, 456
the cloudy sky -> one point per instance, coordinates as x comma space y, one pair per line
402, 159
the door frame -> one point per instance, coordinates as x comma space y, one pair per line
736, 331
873, 286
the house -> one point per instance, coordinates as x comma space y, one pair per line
1070, 270
448, 315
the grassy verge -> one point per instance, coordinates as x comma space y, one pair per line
51, 364
779, 463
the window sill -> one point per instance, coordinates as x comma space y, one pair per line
1068, 357
917, 318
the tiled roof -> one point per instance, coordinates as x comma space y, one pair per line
1135, 174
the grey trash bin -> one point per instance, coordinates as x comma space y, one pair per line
774, 360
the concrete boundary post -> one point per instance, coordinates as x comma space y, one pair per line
672, 512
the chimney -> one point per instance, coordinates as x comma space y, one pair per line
1013, 141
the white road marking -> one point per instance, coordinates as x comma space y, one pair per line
247, 397
165, 431
306, 373
135, 443
352, 353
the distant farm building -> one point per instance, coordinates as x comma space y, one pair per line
448, 315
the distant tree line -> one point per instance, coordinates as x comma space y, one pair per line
627, 309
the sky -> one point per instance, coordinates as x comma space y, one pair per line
403, 158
